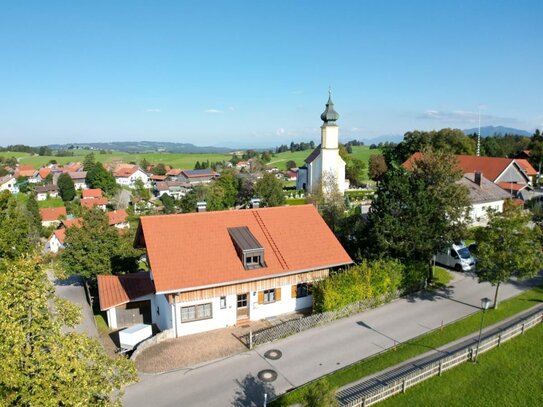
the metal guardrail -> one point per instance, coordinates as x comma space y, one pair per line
398, 380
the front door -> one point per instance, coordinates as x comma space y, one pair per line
242, 308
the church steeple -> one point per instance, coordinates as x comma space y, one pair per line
329, 116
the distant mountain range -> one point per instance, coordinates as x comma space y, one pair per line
145, 147
498, 131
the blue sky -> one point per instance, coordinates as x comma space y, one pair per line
257, 73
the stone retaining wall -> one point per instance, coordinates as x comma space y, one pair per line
160, 337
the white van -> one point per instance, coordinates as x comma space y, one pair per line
456, 256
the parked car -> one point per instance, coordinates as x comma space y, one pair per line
457, 256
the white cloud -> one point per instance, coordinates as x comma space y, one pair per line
464, 117
153, 110
213, 111
279, 132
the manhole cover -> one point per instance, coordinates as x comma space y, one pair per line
267, 375
273, 354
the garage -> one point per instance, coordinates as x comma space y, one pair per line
137, 312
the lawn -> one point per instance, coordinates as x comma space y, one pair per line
176, 160
16, 154
510, 375
279, 160
420, 345
442, 276
51, 203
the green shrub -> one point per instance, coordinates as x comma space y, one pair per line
414, 276
379, 279
320, 394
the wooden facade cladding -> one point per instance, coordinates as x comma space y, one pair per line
250, 286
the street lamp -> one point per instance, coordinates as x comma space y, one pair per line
485, 303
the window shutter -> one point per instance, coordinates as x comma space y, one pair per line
277, 294
293, 291
261, 297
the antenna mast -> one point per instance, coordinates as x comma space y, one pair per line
479, 136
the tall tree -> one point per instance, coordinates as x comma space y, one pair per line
354, 171
377, 167
230, 185
89, 162
66, 187
17, 236
270, 189
416, 214
91, 247
99, 177
34, 214
507, 248
41, 364
329, 201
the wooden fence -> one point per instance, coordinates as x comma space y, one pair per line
411, 378
294, 326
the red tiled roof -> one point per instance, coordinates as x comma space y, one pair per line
92, 202
174, 172
72, 222
92, 193
50, 214
118, 216
26, 168
490, 167
44, 172
125, 171
25, 171
511, 186
117, 290
195, 250
60, 234
157, 177
526, 166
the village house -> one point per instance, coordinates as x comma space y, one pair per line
56, 241
195, 177
210, 270
176, 189
173, 174
26, 171
78, 177
8, 183
126, 175
89, 203
46, 191
118, 219
52, 216
484, 195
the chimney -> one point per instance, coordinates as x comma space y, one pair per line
201, 206
255, 202
478, 178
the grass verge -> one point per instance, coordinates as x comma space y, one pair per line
442, 277
506, 376
420, 345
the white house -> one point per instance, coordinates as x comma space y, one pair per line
324, 165
118, 219
46, 191
176, 189
8, 183
128, 175
484, 195
56, 241
210, 270
78, 177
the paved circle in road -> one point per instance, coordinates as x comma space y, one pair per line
273, 354
267, 375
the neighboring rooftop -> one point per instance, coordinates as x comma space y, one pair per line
116, 217
487, 191
118, 290
51, 214
92, 193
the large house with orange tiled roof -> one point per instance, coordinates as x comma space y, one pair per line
52, 216
211, 270
512, 175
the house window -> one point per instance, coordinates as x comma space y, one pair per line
223, 302
196, 312
242, 300
269, 296
252, 261
303, 290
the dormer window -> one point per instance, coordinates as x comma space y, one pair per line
249, 250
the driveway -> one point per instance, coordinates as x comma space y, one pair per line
313, 353
73, 289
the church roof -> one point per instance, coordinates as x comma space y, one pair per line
314, 154
329, 114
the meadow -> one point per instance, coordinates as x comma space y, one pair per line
176, 160
506, 376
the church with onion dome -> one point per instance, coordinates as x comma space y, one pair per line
324, 165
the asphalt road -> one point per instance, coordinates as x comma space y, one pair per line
313, 353
72, 289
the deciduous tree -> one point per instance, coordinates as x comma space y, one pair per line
270, 189
42, 365
507, 248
